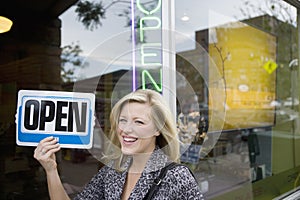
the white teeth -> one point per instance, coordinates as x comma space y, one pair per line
129, 139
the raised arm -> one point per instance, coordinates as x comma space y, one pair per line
45, 154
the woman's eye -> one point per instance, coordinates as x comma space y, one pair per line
139, 122
122, 120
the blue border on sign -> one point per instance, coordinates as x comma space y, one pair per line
63, 138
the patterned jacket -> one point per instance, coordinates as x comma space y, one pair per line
178, 183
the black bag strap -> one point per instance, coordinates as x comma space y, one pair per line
158, 180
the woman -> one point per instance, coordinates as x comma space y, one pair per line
143, 140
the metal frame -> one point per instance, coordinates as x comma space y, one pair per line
169, 53
295, 3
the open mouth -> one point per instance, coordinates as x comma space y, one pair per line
129, 139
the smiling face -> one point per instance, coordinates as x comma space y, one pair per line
136, 130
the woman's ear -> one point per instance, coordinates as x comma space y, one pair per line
157, 133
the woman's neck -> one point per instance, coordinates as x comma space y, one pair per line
139, 162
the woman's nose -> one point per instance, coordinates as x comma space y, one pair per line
126, 127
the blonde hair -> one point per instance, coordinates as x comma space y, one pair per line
161, 117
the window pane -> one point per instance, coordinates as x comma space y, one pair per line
237, 65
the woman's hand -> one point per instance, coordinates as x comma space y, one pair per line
45, 153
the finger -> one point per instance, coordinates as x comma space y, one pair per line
47, 151
46, 142
45, 145
47, 139
53, 150
53, 144
43, 141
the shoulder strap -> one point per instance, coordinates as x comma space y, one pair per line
158, 180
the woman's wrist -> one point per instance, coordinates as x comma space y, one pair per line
51, 172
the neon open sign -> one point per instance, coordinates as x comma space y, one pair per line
147, 43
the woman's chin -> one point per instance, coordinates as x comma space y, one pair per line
127, 152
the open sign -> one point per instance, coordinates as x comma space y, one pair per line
68, 116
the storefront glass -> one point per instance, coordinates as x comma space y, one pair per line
236, 99
240, 58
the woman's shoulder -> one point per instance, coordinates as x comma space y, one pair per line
180, 169
182, 175
181, 182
